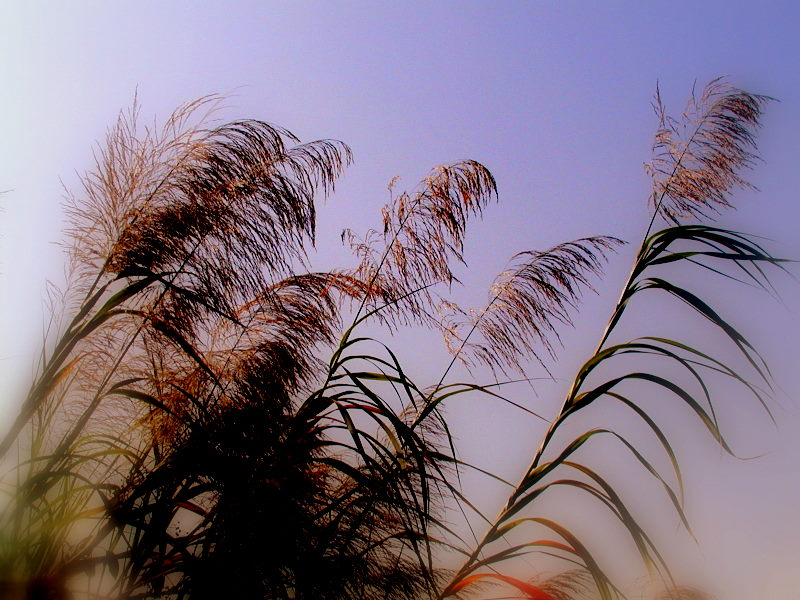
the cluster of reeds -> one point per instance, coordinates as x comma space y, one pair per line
204, 425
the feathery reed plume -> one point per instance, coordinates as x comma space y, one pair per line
697, 158
181, 226
527, 302
422, 232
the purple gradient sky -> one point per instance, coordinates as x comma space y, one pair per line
552, 97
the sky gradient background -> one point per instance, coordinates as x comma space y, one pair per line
553, 97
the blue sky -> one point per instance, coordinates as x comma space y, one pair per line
553, 97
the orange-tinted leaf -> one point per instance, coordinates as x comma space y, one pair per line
531, 591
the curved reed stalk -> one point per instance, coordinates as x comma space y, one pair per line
690, 177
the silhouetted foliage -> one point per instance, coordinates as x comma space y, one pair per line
205, 425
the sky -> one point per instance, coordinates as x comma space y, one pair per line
553, 97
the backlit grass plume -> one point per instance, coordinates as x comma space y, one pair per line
698, 158
528, 303
422, 233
